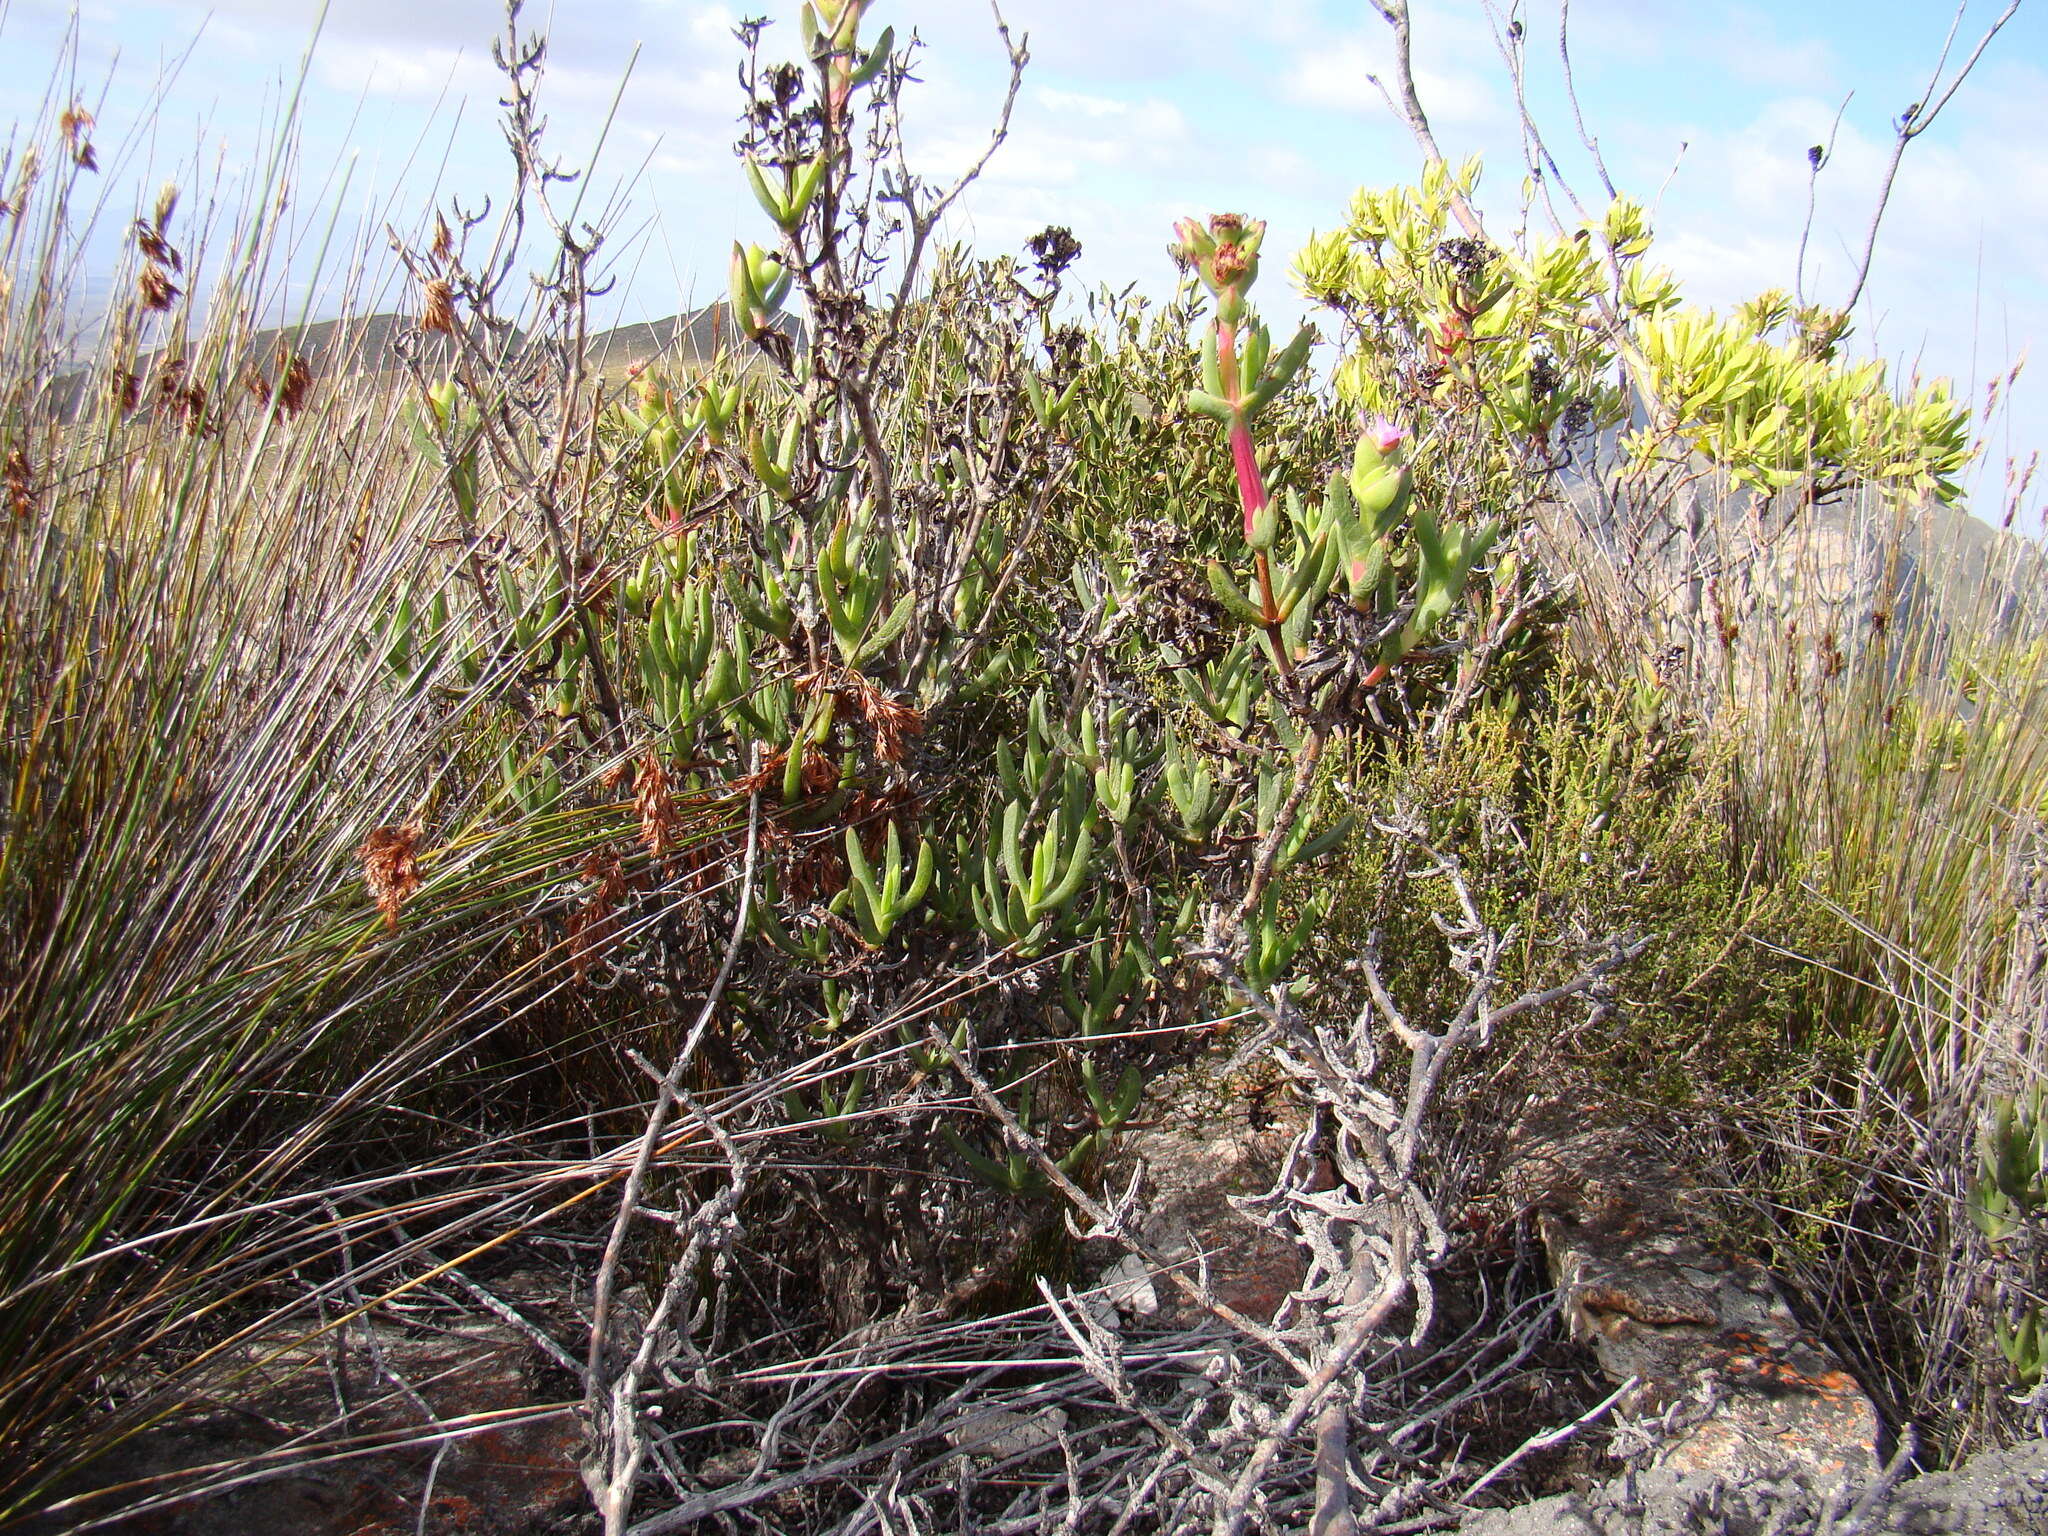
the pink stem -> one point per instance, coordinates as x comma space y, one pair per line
1251, 487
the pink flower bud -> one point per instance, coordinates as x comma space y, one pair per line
1385, 436
1195, 243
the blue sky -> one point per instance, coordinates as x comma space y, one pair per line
1136, 111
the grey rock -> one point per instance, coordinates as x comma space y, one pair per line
262, 1451
1197, 1157
1744, 1392
1997, 1493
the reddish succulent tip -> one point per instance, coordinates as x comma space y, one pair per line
1251, 488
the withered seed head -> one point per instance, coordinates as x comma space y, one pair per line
594, 926
438, 309
124, 389
76, 124
391, 868
294, 379
659, 819
155, 287
156, 248
18, 484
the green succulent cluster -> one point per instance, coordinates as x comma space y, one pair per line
1779, 414
964, 761
2010, 1193
2012, 1172
1448, 322
1391, 559
1552, 340
912, 624
947, 788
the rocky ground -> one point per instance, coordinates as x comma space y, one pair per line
1734, 1420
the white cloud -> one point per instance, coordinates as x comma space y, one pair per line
1338, 76
413, 74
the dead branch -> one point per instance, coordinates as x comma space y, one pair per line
1916, 120
1407, 104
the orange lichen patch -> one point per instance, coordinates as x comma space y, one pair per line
391, 868
1834, 1383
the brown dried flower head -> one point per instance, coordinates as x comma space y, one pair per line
437, 311
155, 287
294, 379
149, 239
660, 821
595, 925
819, 774
184, 402
18, 484
124, 389
891, 720
391, 868
76, 124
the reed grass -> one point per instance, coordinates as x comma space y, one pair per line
205, 1010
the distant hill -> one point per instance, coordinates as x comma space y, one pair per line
690, 338
372, 343
1721, 569
376, 345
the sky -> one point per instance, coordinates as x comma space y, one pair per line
1133, 113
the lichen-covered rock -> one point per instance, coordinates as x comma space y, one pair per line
1706, 1335
289, 1442
1998, 1493
1196, 1158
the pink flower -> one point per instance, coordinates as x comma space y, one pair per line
1385, 436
